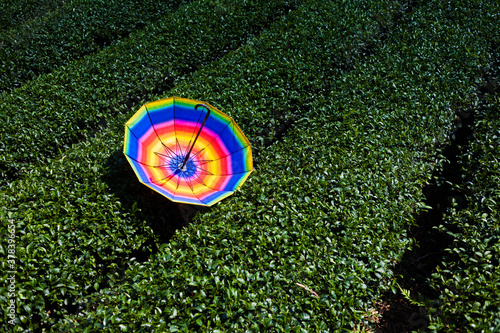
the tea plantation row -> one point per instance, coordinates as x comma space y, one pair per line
17, 12
328, 207
469, 277
70, 31
72, 103
78, 208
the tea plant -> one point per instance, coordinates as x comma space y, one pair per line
68, 32
76, 101
17, 12
468, 280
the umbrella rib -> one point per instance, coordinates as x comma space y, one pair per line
203, 170
231, 174
201, 180
168, 150
142, 163
179, 148
214, 189
130, 130
151, 181
204, 161
195, 128
218, 135
220, 158
153, 125
239, 173
169, 177
178, 183
188, 180
164, 156
192, 190
177, 188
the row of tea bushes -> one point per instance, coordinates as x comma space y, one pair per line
77, 28
425, 68
468, 280
77, 100
329, 205
319, 213
275, 80
66, 201
327, 208
14, 13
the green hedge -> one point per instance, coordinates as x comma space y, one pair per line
468, 280
286, 73
328, 207
77, 189
69, 32
74, 102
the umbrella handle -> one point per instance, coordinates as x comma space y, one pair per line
197, 135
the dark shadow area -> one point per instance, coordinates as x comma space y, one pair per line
163, 216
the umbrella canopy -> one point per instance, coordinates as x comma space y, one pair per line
187, 150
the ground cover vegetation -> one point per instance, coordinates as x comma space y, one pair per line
17, 12
73, 102
348, 106
63, 31
468, 280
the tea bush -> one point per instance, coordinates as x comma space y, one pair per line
317, 202
271, 82
68, 32
468, 280
100, 265
14, 13
348, 124
77, 100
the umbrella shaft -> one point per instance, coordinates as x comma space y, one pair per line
197, 135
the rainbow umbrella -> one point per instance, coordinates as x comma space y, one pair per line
187, 150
